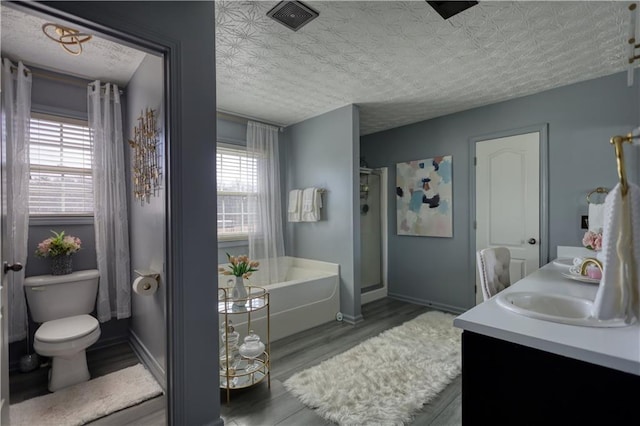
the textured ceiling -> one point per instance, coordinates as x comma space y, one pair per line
23, 39
402, 63
399, 61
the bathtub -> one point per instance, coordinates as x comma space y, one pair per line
307, 296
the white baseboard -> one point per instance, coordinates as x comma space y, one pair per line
370, 296
148, 360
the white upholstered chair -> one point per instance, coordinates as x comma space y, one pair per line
493, 265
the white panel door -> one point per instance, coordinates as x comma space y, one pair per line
508, 200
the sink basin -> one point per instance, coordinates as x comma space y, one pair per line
554, 307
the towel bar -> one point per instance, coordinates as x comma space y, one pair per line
598, 190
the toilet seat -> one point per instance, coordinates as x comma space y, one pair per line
65, 341
66, 336
66, 329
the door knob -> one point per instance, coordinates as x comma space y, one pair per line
532, 241
15, 267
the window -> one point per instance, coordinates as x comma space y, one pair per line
60, 156
236, 177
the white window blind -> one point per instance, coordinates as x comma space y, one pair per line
60, 157
236, 175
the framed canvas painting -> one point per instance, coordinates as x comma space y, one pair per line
424, 197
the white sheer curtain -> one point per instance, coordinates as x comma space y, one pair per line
110, 202
266, 241
16, 113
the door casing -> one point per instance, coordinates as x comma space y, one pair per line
4, 327
543, 202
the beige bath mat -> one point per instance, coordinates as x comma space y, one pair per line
88, 401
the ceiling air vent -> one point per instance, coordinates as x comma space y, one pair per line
447, 9
293, 14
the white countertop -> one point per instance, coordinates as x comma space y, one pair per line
617, 348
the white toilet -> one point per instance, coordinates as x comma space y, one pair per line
61, 303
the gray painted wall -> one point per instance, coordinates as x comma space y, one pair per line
147, 220
636, 154
232, 131
324, 152
191, 190
581, 118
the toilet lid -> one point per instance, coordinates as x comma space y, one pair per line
64, 329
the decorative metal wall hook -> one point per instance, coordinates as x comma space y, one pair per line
69, 39
145, 161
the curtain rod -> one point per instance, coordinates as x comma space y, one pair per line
64, 79
240, 118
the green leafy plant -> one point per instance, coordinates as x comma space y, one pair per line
58, 245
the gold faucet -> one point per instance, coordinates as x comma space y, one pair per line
589, 261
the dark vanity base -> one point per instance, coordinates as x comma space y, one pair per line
508, 384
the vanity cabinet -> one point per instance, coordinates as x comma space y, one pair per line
505, 383
518, 370
237, 372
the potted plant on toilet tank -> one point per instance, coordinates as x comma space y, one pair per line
59, 248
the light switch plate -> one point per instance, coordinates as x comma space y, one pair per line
584, 222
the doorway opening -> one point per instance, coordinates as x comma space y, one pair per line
509, 198
373, 233
59, 98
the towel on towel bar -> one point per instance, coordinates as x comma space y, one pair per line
311, 204
618, 294
596, 217
294, 212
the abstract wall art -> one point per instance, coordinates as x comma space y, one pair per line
424, 197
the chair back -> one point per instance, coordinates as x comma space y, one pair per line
493, 265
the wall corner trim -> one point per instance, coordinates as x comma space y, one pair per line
148, 360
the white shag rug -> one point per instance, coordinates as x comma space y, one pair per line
384, 380
88, 401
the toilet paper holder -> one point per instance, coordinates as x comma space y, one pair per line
149, 273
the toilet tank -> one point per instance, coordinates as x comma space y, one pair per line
51, 297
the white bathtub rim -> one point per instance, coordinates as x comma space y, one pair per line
317, 270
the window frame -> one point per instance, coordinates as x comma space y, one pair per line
238, 236
60, 218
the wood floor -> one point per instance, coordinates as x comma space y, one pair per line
100, 362
260, 406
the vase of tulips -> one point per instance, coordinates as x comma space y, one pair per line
241, 268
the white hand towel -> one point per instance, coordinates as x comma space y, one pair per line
311, 204
618, 292
295, 205
596, 217
307, 199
